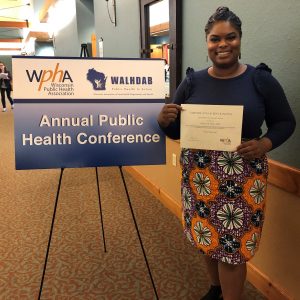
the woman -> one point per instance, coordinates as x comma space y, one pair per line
5, 86
223, 192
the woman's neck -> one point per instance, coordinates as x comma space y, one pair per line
228, 72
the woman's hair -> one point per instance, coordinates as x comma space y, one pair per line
223, 13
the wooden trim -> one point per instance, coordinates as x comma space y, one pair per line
254, 275
41, 36
285, 177
166, 200
13, 24
9, 49
264, 284
43, 13
17, 40
160, 27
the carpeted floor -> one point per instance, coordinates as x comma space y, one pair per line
78, 266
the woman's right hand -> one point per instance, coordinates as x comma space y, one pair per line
168, 114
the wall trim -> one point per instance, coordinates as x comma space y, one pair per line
254, 275
264, 284
285, 177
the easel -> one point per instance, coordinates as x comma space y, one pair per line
84, 53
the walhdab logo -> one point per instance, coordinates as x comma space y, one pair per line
45, 76
97, 79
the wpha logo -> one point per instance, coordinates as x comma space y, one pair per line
97, 79
44, 76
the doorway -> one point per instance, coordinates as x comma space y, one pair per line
161, 38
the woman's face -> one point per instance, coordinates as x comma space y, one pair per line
223, 44
2, 67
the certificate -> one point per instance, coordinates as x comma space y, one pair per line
3, 75
211, 127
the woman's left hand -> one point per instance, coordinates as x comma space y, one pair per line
255, 148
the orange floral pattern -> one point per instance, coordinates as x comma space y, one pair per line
223, 203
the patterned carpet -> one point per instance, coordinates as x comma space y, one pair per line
78, 266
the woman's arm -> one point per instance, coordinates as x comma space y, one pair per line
279, 117
169, 117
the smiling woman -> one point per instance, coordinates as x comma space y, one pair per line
223, 192
224, 48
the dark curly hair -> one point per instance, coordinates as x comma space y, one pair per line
223, 13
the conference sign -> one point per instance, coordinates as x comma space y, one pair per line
78, 112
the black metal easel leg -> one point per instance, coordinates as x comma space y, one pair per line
50, 235
138, 232
84, 51
100, 208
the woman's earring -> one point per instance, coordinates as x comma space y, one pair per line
240, 56
206, 58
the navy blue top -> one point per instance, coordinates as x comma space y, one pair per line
257, 90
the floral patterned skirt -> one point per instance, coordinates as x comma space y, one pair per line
223, 199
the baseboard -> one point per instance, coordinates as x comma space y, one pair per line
285, 177
269, 289
254, 276
164, 198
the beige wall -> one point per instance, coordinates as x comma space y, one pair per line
277, 258
166, 177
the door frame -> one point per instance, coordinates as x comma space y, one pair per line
175, 41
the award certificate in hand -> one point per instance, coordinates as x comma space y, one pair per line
211, 127
3, 76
